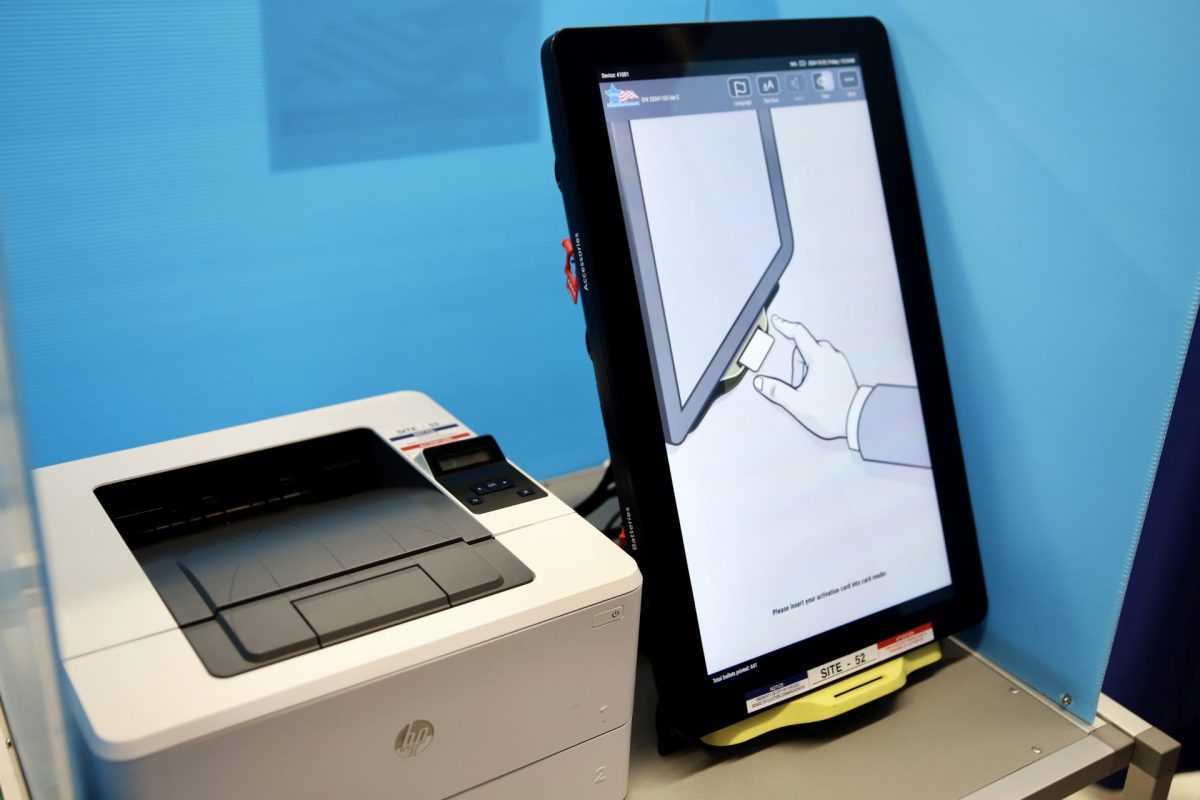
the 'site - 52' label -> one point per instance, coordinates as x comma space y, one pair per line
839, 668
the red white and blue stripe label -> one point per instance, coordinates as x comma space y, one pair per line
428, 437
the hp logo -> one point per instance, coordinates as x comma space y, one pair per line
414, 738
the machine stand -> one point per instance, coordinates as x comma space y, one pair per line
837, 698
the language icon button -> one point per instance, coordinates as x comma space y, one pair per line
739, 87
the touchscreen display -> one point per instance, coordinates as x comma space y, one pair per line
784, 375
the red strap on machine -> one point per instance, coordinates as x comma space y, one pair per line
572, 281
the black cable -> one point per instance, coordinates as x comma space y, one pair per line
600, 495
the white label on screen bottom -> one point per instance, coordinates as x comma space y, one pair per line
839, 668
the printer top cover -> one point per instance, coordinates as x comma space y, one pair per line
270, 554
202, 582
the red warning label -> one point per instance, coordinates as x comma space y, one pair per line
432, 442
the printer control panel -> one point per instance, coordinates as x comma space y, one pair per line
478, 475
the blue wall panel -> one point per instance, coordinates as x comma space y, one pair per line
1055, 149
176, 264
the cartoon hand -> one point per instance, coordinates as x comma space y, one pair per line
822, 387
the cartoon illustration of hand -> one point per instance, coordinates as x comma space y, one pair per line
881, 423
823, 385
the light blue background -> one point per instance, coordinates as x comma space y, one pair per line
165, 280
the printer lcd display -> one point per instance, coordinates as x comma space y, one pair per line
785, 380
468, 459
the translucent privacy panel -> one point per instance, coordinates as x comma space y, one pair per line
1056, 162
29, 684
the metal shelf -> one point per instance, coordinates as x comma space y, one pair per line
960, 729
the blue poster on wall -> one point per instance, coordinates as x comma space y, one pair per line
254, 207
370, 79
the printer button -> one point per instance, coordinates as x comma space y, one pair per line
475, 501
605, 617
489, 486
528, 491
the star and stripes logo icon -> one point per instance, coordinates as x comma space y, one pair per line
621, 97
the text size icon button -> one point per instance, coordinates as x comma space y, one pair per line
768, 84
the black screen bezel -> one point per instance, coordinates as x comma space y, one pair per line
572, 61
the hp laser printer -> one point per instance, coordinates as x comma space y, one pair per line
365, 600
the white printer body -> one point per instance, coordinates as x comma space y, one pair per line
204, 658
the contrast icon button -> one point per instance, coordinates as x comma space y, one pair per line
768, 84
823, 81
739, 87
